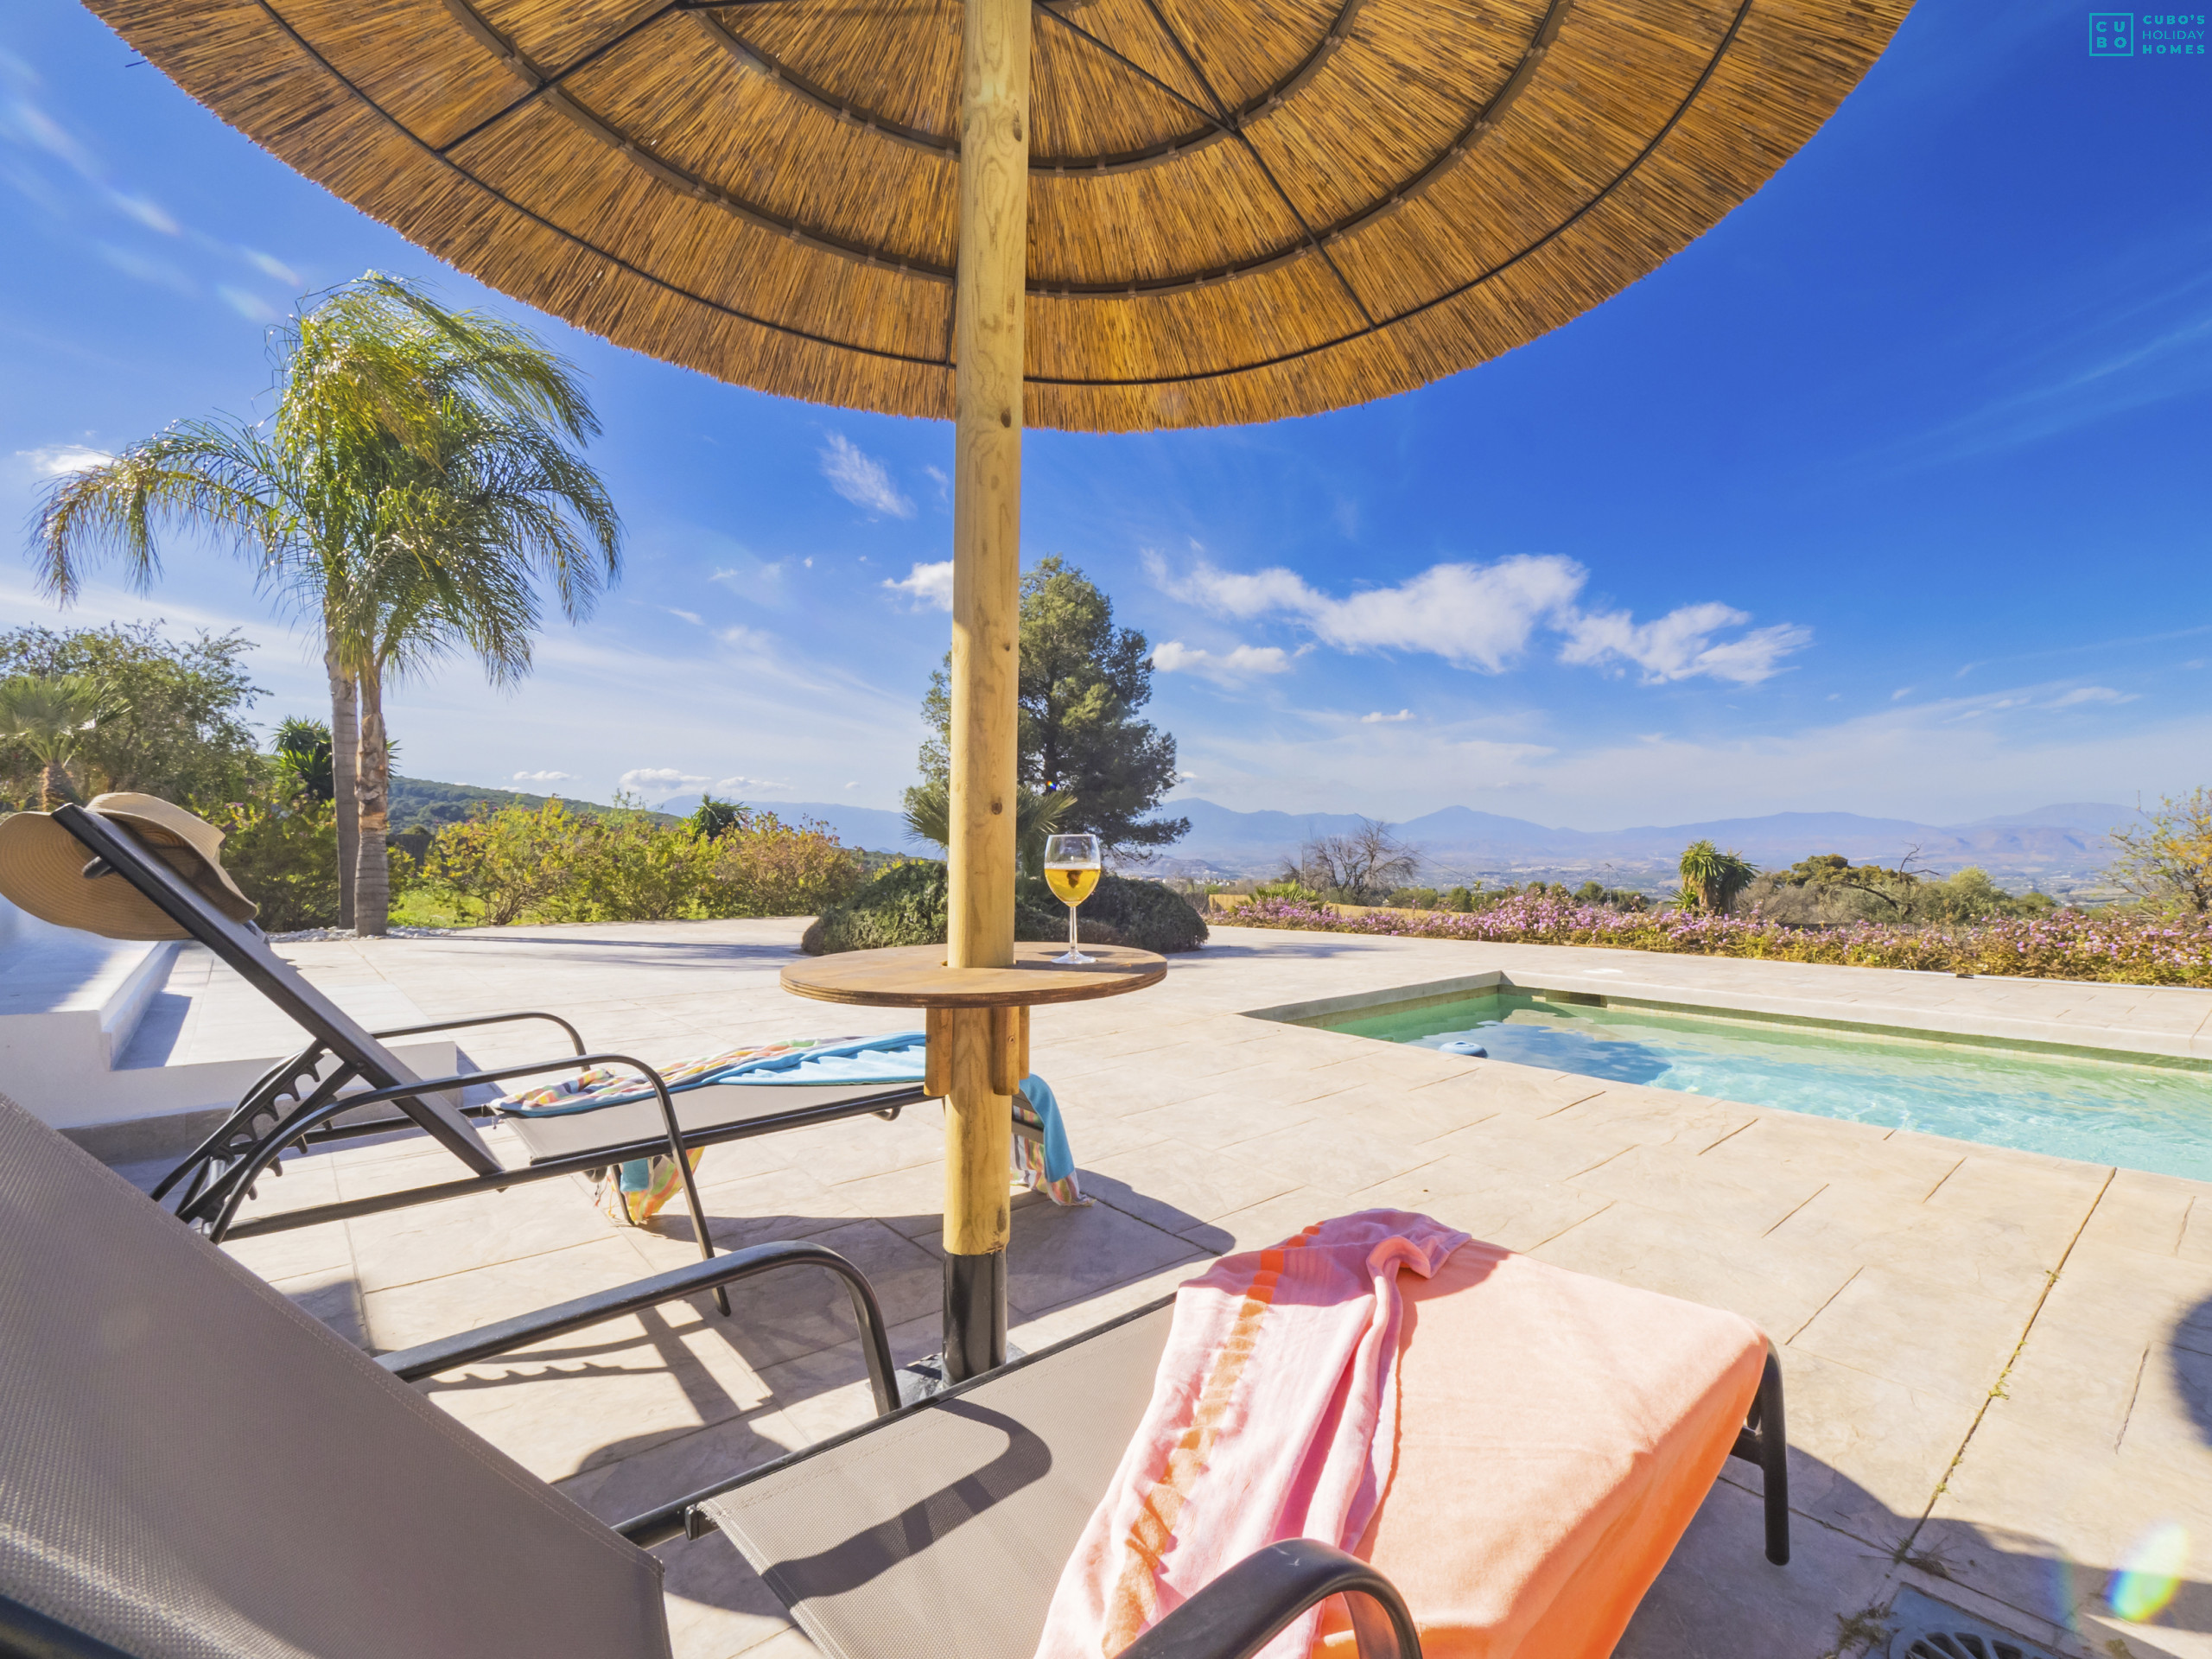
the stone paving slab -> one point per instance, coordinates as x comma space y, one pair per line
1999, 1364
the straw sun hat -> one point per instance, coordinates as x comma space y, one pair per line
42, 868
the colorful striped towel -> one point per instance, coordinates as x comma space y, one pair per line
895, 1058
636, 1191
1274, 1415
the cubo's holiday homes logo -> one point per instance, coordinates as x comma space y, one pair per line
2147, 34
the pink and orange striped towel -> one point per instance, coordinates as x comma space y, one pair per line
1273, 1417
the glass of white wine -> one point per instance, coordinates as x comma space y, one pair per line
1072, 866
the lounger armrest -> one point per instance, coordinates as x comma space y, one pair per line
1241, 1612
575, 1037
487, 1342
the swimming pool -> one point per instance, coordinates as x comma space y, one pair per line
2134, 1111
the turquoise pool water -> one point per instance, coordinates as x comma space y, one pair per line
2133, 1112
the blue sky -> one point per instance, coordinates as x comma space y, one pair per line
1891, 495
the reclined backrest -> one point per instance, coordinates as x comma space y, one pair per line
190, 1466
243, 947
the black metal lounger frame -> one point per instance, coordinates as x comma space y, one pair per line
296, 1102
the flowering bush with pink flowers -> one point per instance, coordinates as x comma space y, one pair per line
2134, 946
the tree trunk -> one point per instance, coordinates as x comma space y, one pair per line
53, 786
372, 866
345, 739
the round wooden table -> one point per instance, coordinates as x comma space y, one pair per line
915, 976
978, 1053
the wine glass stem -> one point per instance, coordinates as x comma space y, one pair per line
1074, 945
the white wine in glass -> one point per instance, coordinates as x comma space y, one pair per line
1072, 868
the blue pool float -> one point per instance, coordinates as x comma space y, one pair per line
1461, 1045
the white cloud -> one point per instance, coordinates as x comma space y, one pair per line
248, 305
1231, 667
59, 460
269, 265
542, 777
1681, 645
692, 617
658, 783
926, 585
860, 479
1378, 718
1483, 617
2082, 694
735, 782
944, 484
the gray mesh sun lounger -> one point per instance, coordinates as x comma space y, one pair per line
192, 1466
345, 1069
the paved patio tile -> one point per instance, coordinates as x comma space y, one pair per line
1517, 1214
1679, 1255
1222, 1120
430, 1240
1921, 1330
423, 1310
1332, 1156
1719, 1597
1678, 1180
1896, 1442
1174, 1184
797, 1311
1059, 1255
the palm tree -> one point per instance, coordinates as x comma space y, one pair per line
49, 714
928, 818
413, 490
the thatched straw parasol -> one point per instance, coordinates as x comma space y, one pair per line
1237, 210
1098, 215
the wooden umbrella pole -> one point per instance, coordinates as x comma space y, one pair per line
985, 661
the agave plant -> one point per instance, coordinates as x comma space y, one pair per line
50, 715
928, 817
303, 765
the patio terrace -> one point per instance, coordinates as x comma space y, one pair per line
1999, 1364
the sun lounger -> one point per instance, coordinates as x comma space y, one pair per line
194, 1467
345, 1069
1557, 1432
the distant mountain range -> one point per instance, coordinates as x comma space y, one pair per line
2060, 849
2063, 845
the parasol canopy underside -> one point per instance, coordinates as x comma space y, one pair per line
1238, 209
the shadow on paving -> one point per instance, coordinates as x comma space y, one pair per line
1718, 1598
2189, 1353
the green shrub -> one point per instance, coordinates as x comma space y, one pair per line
284, 857
622, 865
907, 905
1412, 898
